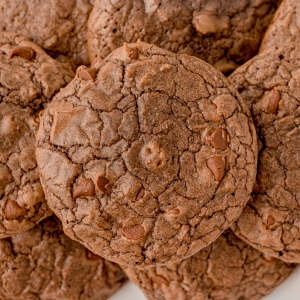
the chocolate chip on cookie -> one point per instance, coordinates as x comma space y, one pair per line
43, 263
152, 160
269, 83
223, 33
228, 269
29, 79
58, 26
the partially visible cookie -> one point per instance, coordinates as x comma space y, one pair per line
223, 33
58, 26
285, 26
29, 78
148, 156
43, 263
270, 84
228, 269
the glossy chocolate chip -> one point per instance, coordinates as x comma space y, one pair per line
270, 221
13, 211
217, 166
274, 102
218, 139
101, 183
24, 52
134, 54
135, 232
85, 187
87, 74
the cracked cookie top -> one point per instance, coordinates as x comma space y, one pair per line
285, 26
43, 263
223, 33
58, 26
29, 78
228, 269
269, 83
148, 156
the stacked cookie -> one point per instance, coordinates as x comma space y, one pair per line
147, 156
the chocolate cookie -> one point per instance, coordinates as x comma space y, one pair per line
269, 83
43, 263
223, 33
148, 156
228, 269
285, 26
58, 26
28, 79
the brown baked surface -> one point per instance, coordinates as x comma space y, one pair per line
43, 263
147, 157
58, 26
28, 80
228, 269
269, 83
223, 33
284, 27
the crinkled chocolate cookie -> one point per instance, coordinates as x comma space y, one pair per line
285, 26
223, 33
29, 78
228, 269
43, 263
270, 84
58, 26
148, 156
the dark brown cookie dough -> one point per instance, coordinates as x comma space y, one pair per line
270, 83
223, 33
28, 80
147, 157
228, 269
285, 26
43, 263
58, 26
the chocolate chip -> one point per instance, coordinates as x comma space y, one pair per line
218, 139
101, 183
96, 60
134, 54
87, 74
85, 187
135, 232
24, 52
217, 166
270, 221
140, 194
91, 256
173, 211
160, 280
274, 102
13, 211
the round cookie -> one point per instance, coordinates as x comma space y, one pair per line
284, 27
148, 156
58, 26
228, 269
28, 80
269, 83
223, 33
43, 263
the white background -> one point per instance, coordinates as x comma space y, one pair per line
288, 290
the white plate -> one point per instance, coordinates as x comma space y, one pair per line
288, 290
